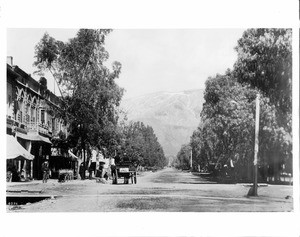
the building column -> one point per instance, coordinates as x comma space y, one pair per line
25, 171
19, 165
31, 169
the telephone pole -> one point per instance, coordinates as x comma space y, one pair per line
191, 159
253, 192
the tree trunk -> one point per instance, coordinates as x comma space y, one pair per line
84, 163
276, 167
250, 170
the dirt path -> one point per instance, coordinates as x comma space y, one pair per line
165, 190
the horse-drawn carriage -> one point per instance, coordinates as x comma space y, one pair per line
126, 170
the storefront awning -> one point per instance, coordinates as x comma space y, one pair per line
14, 150
34, 137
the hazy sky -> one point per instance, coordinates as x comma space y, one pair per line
152, 60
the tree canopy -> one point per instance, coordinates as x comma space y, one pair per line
141, 144
90, 95
183, 157
265, 62
226, 130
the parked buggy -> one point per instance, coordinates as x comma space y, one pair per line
126, 170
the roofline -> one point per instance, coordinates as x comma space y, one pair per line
10, 70
20, 72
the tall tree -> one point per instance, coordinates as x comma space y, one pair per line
141, 144
265, 62
183, 160
226, 131
89, 91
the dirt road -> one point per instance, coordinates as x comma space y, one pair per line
166, 190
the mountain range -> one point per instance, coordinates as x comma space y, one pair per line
172, 115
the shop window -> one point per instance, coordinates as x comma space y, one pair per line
53, 124
43, 116
32, 115
20, 116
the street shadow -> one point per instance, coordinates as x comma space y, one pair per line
211, 179
120, 184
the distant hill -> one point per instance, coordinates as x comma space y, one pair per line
173, 115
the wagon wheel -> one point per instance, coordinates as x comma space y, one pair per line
135, 180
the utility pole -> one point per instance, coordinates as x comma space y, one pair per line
191, 160
253, 190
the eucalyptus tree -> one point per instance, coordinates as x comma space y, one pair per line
183, 158
142, 145
265, 63
226, 131
90, 95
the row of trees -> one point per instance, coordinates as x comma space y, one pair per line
90, 94
225, 135
141, 144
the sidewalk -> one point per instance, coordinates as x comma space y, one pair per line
38, 185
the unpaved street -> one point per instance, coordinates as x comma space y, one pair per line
166, 190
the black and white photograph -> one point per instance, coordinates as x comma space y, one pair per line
186, 120
114, 124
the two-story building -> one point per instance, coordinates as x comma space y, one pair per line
31, 110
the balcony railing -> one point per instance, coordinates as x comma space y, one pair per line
31, 126
38, 127
43, 128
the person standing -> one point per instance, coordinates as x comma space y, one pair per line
81, 171
105, 168
112, 166
117, 158
101, 164
45, 170
92, 167
125, 157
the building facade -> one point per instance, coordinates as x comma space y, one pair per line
30, 117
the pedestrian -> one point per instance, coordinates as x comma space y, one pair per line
45, 170
91, 169
112, 166
14, 174
92, 162
101, 165
117, 158
22, 175
81, 170
125, 157
105, 168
